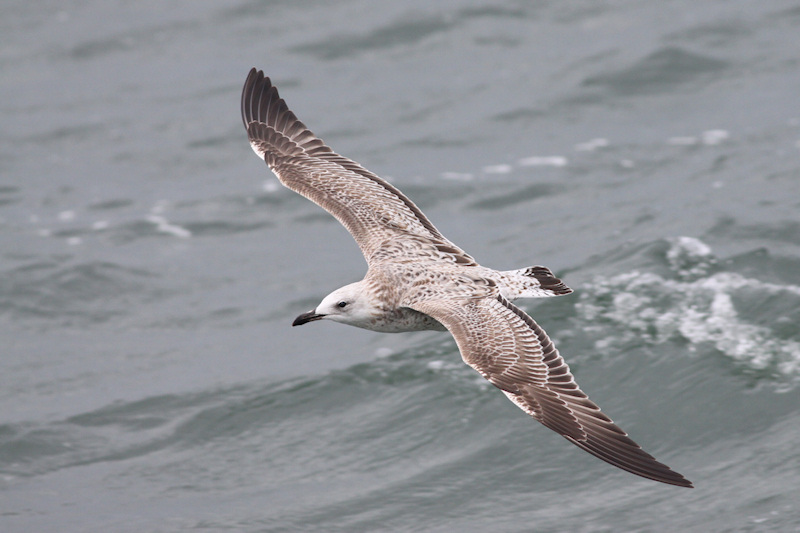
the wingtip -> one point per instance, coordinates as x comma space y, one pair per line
674, 478
254, 86
635, 460
682, 482
255, 73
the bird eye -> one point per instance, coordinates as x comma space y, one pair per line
342, 304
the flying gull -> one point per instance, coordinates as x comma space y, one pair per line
418, 280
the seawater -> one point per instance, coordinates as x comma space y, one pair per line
151, 266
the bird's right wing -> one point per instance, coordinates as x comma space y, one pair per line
372, 210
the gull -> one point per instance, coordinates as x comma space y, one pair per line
418, 280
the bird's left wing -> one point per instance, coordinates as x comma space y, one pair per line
509, 349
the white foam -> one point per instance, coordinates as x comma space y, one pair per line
708, 137
689, 256
712, 137
164, 226
383, 351
457, 176
544, 161
66, 216
271, 186
700, 308
591, 146
436, 365
446, 366
497, 169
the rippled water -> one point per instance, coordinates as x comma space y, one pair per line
150, 380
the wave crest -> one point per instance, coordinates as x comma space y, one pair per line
747, 319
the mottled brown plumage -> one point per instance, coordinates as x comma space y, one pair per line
419, 280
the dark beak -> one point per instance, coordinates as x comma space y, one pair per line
306, 317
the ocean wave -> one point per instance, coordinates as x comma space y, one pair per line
751, 321
390, 395
80, 294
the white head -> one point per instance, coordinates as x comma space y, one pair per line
349, 305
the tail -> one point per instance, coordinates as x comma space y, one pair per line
531, 282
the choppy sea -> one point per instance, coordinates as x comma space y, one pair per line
151, 266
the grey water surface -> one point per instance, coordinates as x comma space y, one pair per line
647, 152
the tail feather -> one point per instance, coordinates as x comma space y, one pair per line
532, 282
547, 280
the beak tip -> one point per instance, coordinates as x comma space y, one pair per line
306, 317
